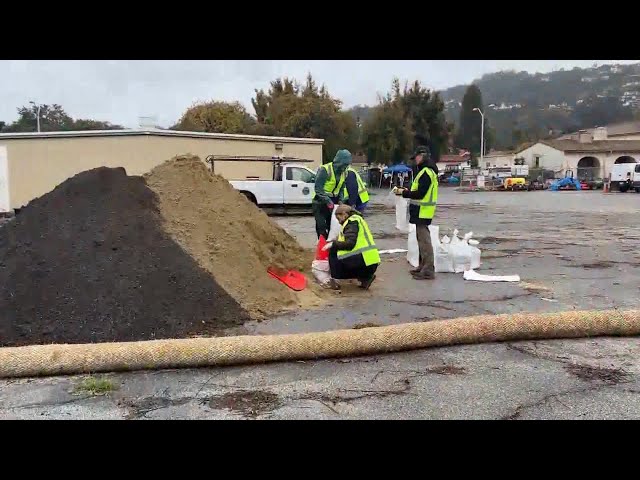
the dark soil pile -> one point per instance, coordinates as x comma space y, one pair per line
91, 262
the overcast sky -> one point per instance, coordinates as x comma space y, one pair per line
121, 91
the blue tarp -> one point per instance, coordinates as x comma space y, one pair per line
400, 168
555, 186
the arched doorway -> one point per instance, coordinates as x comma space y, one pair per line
625, 159
588, 169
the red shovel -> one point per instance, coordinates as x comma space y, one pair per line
291, 278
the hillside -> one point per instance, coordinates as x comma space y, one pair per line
521, 106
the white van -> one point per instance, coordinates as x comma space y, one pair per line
621, 173
635, 178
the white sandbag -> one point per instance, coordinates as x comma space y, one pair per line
334, 229
402, 214
473, 275
321, 271
475, 254
441, 260
413, 253
443, 263
434, 230
460, 253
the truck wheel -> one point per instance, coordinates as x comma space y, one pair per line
624, 187
637, 189
251, 197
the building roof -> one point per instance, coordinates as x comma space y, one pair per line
499, 153
158, 133
594, 146
624, 128
452, 159
615, 129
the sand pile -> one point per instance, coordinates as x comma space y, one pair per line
229, 236
91, 261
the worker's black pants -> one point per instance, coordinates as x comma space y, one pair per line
353, 267
425, 248
322, 215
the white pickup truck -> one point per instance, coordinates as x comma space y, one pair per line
291, 187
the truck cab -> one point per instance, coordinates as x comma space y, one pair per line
291, 187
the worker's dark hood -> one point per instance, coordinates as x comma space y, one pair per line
341, 161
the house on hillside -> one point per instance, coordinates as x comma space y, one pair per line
589, 156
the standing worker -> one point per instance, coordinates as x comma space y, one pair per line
354, 254
329, 181
355, 191
423, 197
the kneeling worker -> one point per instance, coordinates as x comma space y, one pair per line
355, 191
354, 254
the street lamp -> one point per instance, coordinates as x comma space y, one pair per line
37, 115
481, 137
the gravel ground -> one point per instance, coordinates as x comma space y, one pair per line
578, 249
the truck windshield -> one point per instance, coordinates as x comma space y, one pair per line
299, 174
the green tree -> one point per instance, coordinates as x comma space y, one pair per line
403, 119
53, 118
216, 117
598, 111
387, 137
86, 124
470, 126
424, 111
292, 109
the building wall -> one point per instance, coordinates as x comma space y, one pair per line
38, 165
498, 160
607, 160
550, 158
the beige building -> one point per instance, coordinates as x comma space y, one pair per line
497, 159
32, 164
587, 158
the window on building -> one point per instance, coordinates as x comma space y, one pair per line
537, 162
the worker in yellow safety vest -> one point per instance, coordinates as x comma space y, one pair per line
330, 179
354, 254
423, 198
355, 191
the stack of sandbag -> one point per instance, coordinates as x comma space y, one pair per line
452, 255
464, 254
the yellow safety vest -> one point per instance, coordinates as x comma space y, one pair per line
362, 189
365, 245
332, 186
428, 203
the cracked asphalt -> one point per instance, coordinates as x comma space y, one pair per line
573, 250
